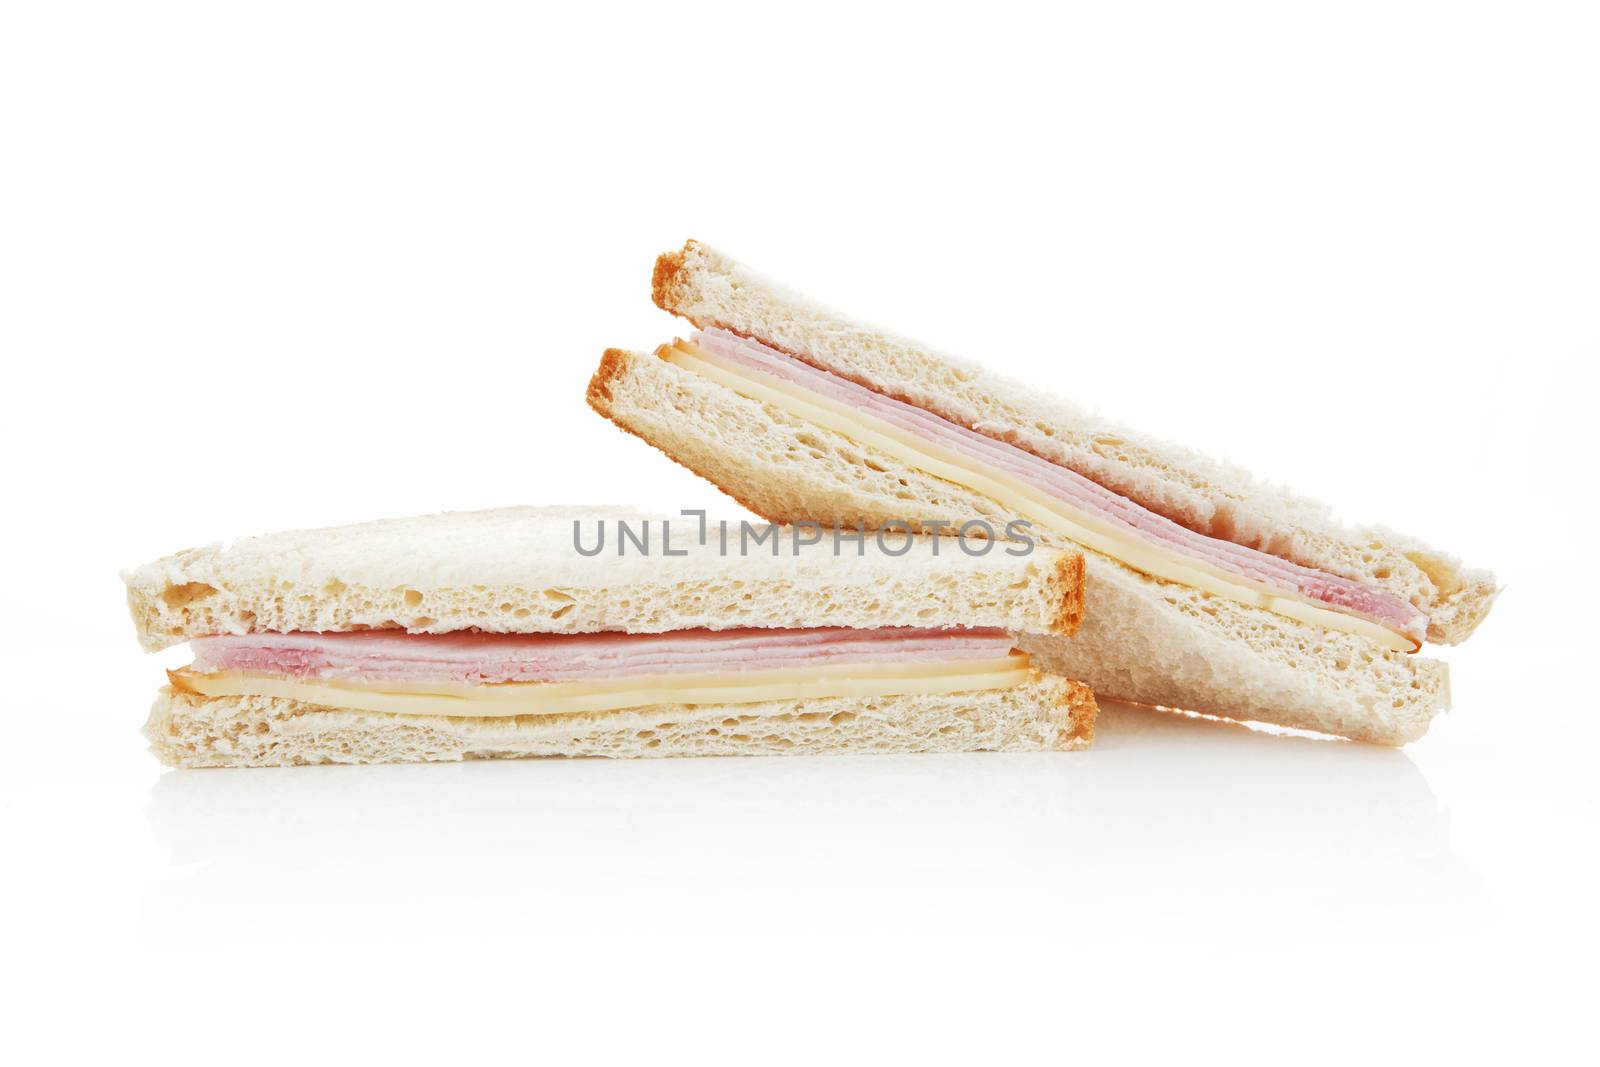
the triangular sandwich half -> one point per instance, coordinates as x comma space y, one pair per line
598, 632
1207, 590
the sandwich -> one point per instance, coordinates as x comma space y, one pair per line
566, 632
1207, 591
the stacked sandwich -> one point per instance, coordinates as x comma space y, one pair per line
1131, 567
542, 632
1206, 590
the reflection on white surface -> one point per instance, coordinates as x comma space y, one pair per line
1168, 820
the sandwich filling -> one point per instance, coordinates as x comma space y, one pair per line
496, 675
1054, 496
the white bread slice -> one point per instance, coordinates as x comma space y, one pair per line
1142, 640
1048, 714
515, 570
1218, 499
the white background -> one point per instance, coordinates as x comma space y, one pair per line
273, 265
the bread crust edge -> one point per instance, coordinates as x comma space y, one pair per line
666, 279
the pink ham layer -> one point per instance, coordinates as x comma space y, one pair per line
394, 655
1070, 487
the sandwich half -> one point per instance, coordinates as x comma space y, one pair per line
566, 632
1207, 591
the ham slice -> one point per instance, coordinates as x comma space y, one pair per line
1073, 489
473, 658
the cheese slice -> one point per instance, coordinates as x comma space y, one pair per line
1020, 498
506, 699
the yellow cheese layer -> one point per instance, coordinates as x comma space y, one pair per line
1020, 498
557, 698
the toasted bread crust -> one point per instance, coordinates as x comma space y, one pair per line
1068, 580
1079, 703
612, 364
664, 280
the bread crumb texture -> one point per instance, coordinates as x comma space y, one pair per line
515, 570
1047, 714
